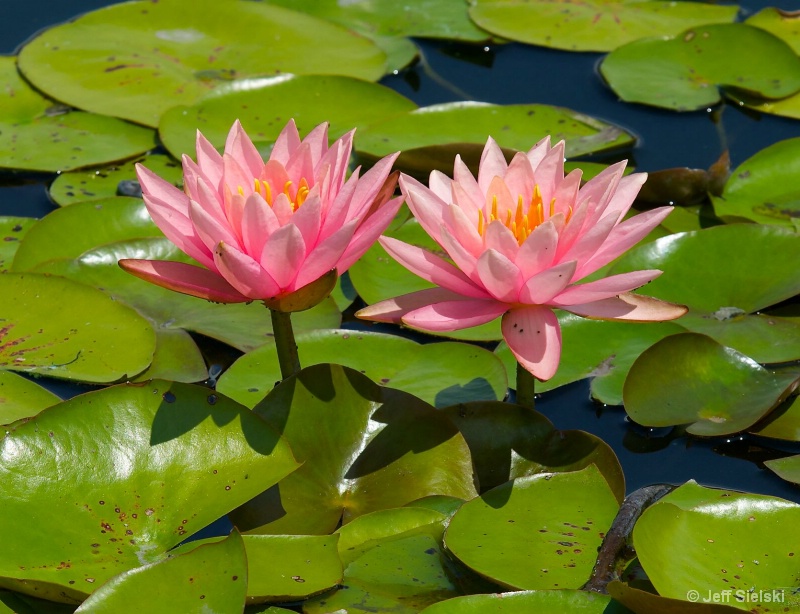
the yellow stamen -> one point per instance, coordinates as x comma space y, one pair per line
241, 190
493, 216
480, 223
552, 207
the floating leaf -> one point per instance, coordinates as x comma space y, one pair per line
601, 350
285, 568
101, 183
38, 134
524, 602
783, 423
592, 25
643, 602
509, 441
12, 231
382, 448
729, 542
68, 232
430, 137
438, 373
22, 398
692, 379
242, 325
779, 22
725, 274
787, 468
764, 188
210, 578
264, 106
131, 462
137, 59
61, 328
537, 532
682, 73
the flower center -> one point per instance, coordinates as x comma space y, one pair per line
296, 196
521, 222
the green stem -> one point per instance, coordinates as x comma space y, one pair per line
285, 343
526, 384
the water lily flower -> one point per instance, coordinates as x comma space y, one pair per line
267, 231
519, 238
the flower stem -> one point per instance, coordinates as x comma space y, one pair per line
526, 384
285, 343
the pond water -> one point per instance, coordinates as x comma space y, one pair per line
521, 74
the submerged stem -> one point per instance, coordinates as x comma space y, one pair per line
526, 384
288, 358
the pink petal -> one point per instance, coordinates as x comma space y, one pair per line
542, 287
179, 229
537, 251
599, 189
625, 194
431, 267
392, 310
493, 164
604, 288
589, 243
463, 258
184, 278
235, 177
550, 172
519, 177
534, 337
336, 213
368, 232
258, 223
454, 315
283, 254
307, 219
276, 177
244, 273
327, 255
317, 141
499, 276
566, 194
424, 204
191, 175
622, 238
164, 191
282, 208
440, 184
467, 182
286, 144
500, 238
369, 186
465, 201
630, 307
209, 200
498, 193
241, 148
209, 161
464, 229
301, 164
537, 153
209, 230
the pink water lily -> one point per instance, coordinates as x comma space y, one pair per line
520, 236
265, 230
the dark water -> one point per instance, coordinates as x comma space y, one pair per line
519, 74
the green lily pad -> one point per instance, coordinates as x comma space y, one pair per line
509, 441
210, 578
783, 423
70, 231
132, 462
763, 188
600, 350
592, 25
16, 603
725, 274
283, 568
12, 231
728, 541
524, 602
787, 468
683, 73
781, 23
22, 398
377, 277
425, 19
692, 379
60, 328
382, 448
439, 373
537, 532
643, 602
264, 106
430, 137
394, 563
38, 134
137, 59
78, 186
